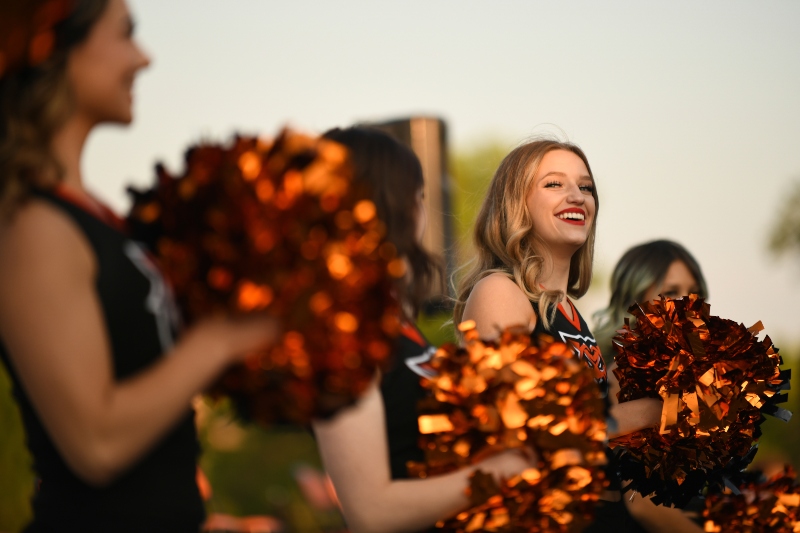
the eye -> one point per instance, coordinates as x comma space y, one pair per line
587, 188
552, 184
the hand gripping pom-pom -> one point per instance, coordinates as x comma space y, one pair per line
716, 380
279, 227
516, 394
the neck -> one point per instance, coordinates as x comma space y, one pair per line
555, 273
67, 147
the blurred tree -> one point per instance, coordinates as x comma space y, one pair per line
16, 476
785, 234
472, 168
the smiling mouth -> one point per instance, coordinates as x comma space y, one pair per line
575, 217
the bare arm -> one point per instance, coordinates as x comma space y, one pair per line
355, 454
653, 518
633, 415
659, 519
496, 303
52, 325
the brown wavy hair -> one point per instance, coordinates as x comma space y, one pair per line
506, 242
35, 101
392, 175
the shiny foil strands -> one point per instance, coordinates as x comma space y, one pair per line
762, 505
257, 226
716, 380
516, 394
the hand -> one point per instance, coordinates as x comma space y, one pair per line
509, 463
234, 338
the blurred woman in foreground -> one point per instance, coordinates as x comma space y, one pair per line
87, 327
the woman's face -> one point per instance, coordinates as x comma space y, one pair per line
677, 282
560, 202
101, 70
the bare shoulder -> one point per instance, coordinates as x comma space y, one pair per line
39, 239
496, 302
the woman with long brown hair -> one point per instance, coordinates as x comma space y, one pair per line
365, 449
87, 328
534, 240
644, 273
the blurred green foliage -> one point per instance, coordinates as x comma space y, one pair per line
16, 477
472, 169
785, 234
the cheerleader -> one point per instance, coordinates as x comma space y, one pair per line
365, 449
642, 274
534, 240
87, 326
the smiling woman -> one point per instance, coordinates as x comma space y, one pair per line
87, 330
534, 237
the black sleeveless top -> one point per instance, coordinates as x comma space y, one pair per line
401, 391
575, 332
610, 517
159, 492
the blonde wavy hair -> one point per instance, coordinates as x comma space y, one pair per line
505, 241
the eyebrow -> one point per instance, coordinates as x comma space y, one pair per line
563, 175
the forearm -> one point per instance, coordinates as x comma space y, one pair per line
660, 519
635, 415
355, 453
406, 505
135, 413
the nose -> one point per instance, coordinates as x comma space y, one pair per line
575, 195
143, 58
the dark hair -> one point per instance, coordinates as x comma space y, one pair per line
393, 175
35, 100
640, 268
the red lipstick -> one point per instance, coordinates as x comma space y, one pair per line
572, 215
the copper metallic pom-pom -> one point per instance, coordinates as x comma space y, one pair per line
717, 381
761, 506
279, 227
516, 394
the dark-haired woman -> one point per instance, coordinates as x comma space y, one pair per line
642, 274
86, 322
365, 449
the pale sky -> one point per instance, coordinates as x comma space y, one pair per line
688, 111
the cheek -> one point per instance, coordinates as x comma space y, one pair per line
650, 294
537, 211
591, 206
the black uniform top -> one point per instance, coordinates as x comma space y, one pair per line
159, 492
610, 517
401, 391
575, 332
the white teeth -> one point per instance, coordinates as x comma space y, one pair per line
571, 216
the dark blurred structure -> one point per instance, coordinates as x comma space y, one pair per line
427, 137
